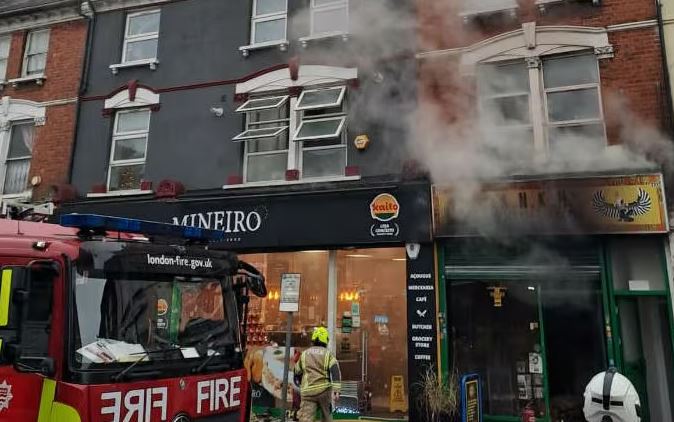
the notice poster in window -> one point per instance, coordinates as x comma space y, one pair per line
471, 398
524, 387
290, 292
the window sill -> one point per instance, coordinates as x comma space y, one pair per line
130, 192
36, 79
292, 182
543, 3
151, 63
306, 40
470, 14
281, 44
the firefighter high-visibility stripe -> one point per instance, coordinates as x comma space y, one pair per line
46, 400
5, 290
63, 413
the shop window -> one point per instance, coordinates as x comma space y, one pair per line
566, 116
35, 53
637, 263
141, 36
318, 147
19, 154
329, 17
365, 316
269, 21
128, 150
533, 341
4, 56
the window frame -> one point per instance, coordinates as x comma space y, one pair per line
333, 135
116, 136
142, 37
6, 159
245, 107
334, 5
600, 120
3, 71
268, 17
336, 103
27, 54
538, 100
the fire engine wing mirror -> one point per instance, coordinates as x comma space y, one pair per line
254, 279
13, 297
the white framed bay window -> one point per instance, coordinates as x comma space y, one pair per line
551, 104
128, 149
287, 133
18, 157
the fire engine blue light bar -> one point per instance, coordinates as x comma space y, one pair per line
143, 227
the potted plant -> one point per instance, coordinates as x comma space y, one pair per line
439, 397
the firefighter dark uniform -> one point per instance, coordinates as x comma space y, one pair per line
317, 373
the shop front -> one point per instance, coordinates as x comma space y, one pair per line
366, 267
576, 281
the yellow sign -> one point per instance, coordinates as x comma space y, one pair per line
497, 292
623, 204
398, 399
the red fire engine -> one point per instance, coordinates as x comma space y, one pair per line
116, 320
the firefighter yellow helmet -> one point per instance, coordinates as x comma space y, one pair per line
320, 334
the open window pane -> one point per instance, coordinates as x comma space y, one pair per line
323, 162
126, 177
569, 71
270, 30
129, 149
141, 50
264, 7
320, 98
259, 133
147, 23
317, 129
16, 176
579, 104
330, 20
133, 121
266, 167
262, 103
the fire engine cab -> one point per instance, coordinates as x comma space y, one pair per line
116, 320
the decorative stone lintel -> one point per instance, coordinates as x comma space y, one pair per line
40, 121
604, 52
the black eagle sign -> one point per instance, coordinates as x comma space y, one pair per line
620, 210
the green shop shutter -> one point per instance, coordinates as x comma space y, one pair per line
510, 258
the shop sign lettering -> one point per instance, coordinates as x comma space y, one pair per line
227, 221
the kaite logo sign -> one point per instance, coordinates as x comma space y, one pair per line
384, 207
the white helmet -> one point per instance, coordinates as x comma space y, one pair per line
611, 397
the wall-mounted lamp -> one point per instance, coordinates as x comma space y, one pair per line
218, 111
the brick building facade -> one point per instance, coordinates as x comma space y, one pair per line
539, 121
42, 46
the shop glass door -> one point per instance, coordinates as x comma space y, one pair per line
371, 334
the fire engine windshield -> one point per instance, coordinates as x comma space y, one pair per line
133, 303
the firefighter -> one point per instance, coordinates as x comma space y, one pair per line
611, 397
319, 378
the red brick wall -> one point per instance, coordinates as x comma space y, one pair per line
54, 140
635, 74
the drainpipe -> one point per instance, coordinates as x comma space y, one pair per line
84, 75
668, 85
